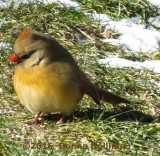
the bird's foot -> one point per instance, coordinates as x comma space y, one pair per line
61, 121
35, 121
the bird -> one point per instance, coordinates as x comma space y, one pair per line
48, 79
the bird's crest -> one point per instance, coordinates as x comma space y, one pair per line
24, 34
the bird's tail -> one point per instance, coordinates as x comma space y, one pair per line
109, 97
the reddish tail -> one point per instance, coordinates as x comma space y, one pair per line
110, 97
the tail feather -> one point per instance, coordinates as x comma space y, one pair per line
110, 97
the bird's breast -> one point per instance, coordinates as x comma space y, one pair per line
47, 89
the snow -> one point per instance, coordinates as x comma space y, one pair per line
68, 3
154, 21
4, 5
8, 3
155, 3
3, 22
4, 45
83, 42
134, 36
157, 84
116, 62
103, 19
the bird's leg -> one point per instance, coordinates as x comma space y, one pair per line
35, 121
61, 120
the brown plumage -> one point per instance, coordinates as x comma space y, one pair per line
47, 78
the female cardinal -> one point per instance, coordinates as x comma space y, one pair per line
47, 78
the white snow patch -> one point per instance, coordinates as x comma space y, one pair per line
3, 22
157, 84
103, 19
155, 2
83, 42
16, 3
116, 62
133, 35
4, 5
154, 21
68, 3
4, 45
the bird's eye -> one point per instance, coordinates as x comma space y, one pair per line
25, 56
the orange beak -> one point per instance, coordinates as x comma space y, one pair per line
15, 58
